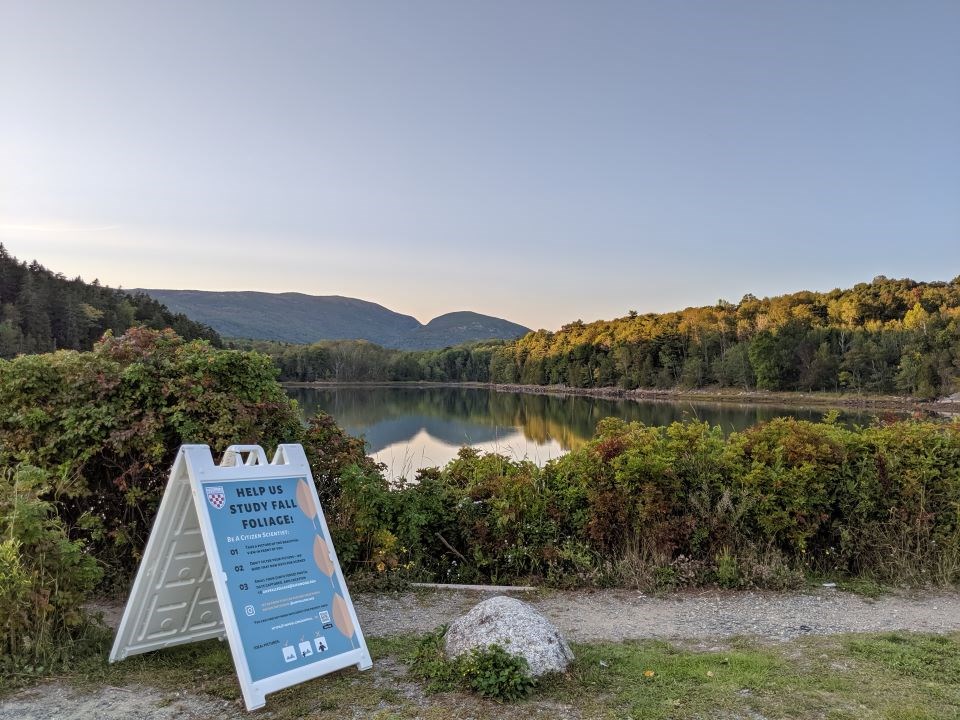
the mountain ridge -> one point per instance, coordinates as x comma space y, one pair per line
302, 318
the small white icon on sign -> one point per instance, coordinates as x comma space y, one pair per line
321, 643
324, 616
305, 649
289, 654
249, 610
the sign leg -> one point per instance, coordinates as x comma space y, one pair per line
365, 662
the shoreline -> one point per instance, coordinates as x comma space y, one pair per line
725, 396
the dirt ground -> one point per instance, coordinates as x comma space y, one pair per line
585, 616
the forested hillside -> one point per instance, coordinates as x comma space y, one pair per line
883, 336
297, 318
460, 328
41, 311
886, 336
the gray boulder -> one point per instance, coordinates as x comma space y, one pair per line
517, 628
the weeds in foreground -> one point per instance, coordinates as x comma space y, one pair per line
638, 566
44, 578
490, 672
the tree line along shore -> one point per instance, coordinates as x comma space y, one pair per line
896, 338
892, 337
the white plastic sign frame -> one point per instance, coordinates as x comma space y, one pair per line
182, 592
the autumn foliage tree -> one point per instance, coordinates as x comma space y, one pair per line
883, 336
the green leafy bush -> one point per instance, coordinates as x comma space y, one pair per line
105, 425
44, 578
669, 507
490, 672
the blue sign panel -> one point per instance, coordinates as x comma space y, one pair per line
290, 610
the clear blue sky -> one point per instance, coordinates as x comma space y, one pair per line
540, 161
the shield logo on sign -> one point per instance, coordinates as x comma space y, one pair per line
216, 496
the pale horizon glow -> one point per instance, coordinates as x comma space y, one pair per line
542, 162
54, 228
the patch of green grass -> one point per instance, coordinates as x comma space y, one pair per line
429, 664
892, 676
860, 676
925, 657
655, 679
863, 586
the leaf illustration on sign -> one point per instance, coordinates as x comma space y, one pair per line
341, 617
321, 556
305, 500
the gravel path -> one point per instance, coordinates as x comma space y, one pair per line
586, 616
622, 615
698, 617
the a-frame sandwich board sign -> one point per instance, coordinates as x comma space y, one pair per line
241, 551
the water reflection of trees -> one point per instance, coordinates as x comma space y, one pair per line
458, 416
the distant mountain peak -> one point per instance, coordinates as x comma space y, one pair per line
300, 318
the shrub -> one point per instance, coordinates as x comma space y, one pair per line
790, 470
106, 425
490, 672
330, 452
728, 570
668, 507
44, 577
899, 517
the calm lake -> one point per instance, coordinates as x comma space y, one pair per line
409, 427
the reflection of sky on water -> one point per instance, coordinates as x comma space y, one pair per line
404, 458
410, 427
450, 431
